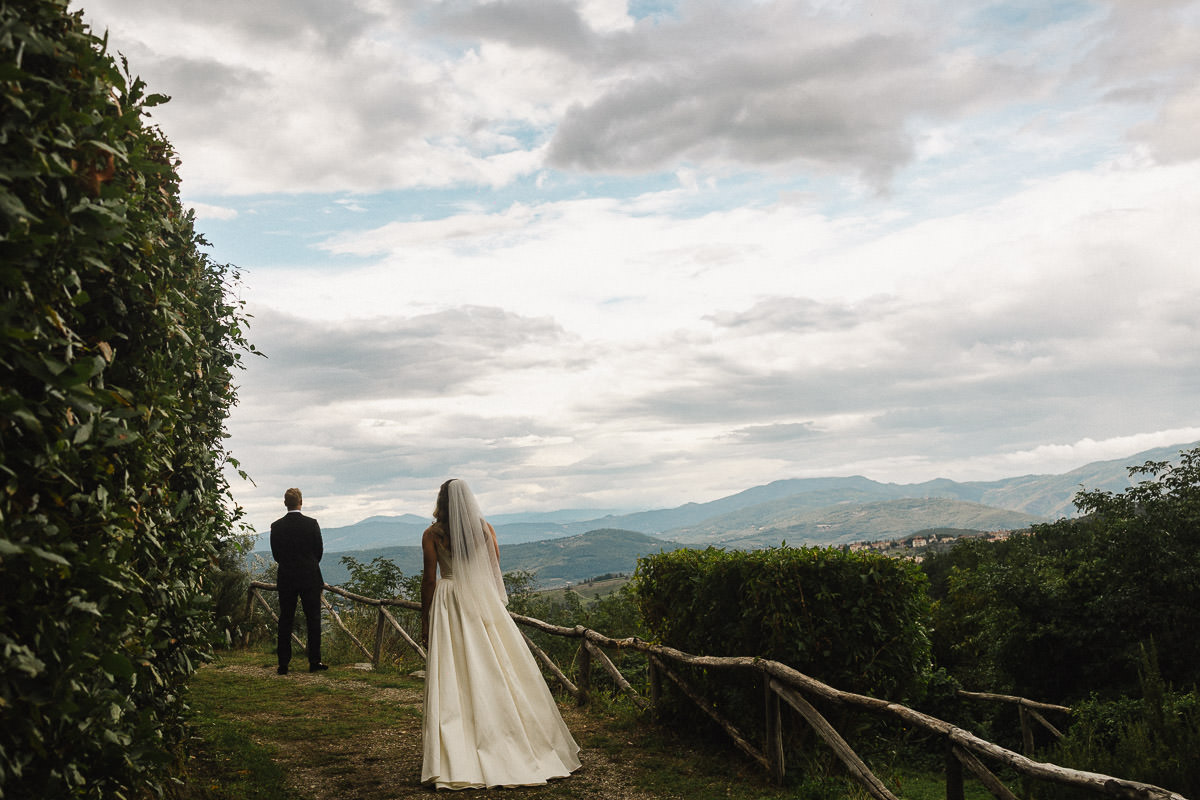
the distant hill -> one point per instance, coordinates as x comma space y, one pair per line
376, 532
801, 510
1033, 497
407, 558
554, 562
1052, 495
779, 521
575, 558
565, 515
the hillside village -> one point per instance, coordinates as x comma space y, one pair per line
917, 546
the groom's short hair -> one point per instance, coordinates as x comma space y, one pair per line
292, 499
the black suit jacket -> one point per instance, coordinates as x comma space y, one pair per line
296, 544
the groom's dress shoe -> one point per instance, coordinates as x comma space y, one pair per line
282, 670
318, 667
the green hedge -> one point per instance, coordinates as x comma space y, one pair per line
856, 621
116, 356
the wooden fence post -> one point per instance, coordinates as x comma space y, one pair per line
655, 678
708, 708
379, 631
985, 776
619, 679
1044, 722
1026, 748
420, 651
585, 673
774, 732
1026, 730
250, 590
858, 769
275, 617
954, 774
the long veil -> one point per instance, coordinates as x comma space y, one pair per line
477, 575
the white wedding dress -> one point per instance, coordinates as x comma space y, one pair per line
490, 719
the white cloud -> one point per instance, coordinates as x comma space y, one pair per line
1172, 135
810, 346
366, 97
206, 211
588, 259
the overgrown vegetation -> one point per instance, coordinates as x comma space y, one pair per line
1151, 738
116, 361
1063, 613
1098, 613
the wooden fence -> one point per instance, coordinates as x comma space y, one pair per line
965, 752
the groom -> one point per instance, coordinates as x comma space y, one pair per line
296, 545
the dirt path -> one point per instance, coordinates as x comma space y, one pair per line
338, 737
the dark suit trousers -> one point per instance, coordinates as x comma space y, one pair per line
311, 601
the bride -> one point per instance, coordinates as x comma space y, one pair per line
490, 719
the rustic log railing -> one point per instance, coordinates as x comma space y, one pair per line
383, 617
782, 683
1028, 710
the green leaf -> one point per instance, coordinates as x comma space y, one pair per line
119, 666
48, 556
27, 419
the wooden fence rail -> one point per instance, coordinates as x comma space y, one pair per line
783, 683
1028, 710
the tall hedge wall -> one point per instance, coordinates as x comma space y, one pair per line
856, 621
116, 352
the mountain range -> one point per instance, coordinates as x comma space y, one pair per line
799, 511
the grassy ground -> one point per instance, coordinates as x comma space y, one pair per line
356, 735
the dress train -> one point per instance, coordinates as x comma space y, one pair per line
490, 719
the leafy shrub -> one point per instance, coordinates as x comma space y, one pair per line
1153, 738
857, 621
227, 587
1062, 614
116, 361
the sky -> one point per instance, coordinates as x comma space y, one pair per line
626, 255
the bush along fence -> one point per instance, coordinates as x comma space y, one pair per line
781, 684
